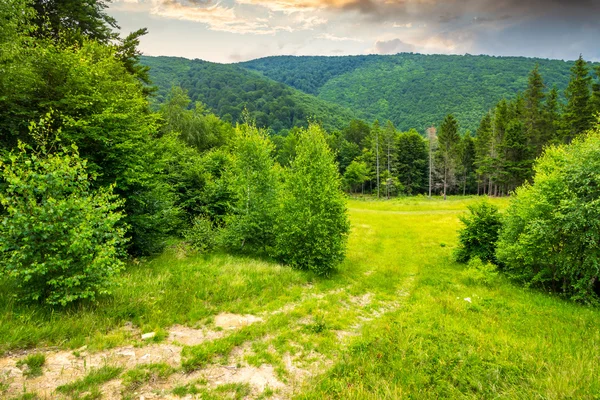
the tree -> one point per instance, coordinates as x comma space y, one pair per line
466, 157
389, 144
534, 97
433, 143
483, 153
196, 127
448, 140
74, 20
517, 155
312, 227
412, 155
551, 232
376, 147
356, 175
61, 240
596, 92
255, 186
577, 117
551, 118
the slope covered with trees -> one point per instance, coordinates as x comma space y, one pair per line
229, 89
412, 90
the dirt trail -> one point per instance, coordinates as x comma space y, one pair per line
64, 367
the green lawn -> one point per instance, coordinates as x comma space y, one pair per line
399, 319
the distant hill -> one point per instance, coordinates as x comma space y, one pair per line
412, 90
227, 89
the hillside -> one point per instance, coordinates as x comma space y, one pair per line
412, 90
228, 89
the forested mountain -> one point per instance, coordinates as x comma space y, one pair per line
228, 89
413, 90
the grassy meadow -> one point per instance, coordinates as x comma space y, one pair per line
399, 319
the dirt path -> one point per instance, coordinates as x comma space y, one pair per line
291, 363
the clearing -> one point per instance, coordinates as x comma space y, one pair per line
399, 319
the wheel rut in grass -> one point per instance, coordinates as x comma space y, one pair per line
277, 360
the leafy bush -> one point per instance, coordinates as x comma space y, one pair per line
312, 226
479, 272
201, 235
255, 184
551, 233
61, 241
480, 233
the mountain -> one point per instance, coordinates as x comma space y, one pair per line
412, 90
227, 89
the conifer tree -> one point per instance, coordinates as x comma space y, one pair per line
577, 117
551, 117
483, 153
596, 92
534, 97
448, 139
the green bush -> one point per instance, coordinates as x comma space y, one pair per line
480, 233
551, 233
60, 241
201, 235
312, 225
479, 272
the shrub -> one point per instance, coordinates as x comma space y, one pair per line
479, 272
312, 226
479, 236
61, 241
201, 235
551, 233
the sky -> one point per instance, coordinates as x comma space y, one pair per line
229, 31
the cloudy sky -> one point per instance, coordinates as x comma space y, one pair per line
239, 30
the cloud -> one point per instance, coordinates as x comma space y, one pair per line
334, 38
393, 46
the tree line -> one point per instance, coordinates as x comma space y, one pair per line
90, 174
494, 160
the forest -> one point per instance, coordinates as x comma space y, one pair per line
413, 225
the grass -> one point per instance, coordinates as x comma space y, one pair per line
142, 374
34, 363
399, 319
90, 383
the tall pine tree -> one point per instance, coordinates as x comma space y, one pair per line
534, 97
448, 140
577, 117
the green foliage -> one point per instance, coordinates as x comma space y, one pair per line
448, 142
478, 272
412, 90
479, 235
61, 239
313, 226
357, 173
255, 184
578, 117
196, 127
91, 382
201, 235
229, 89
34, 363
74, 19
550, 235
413, 158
